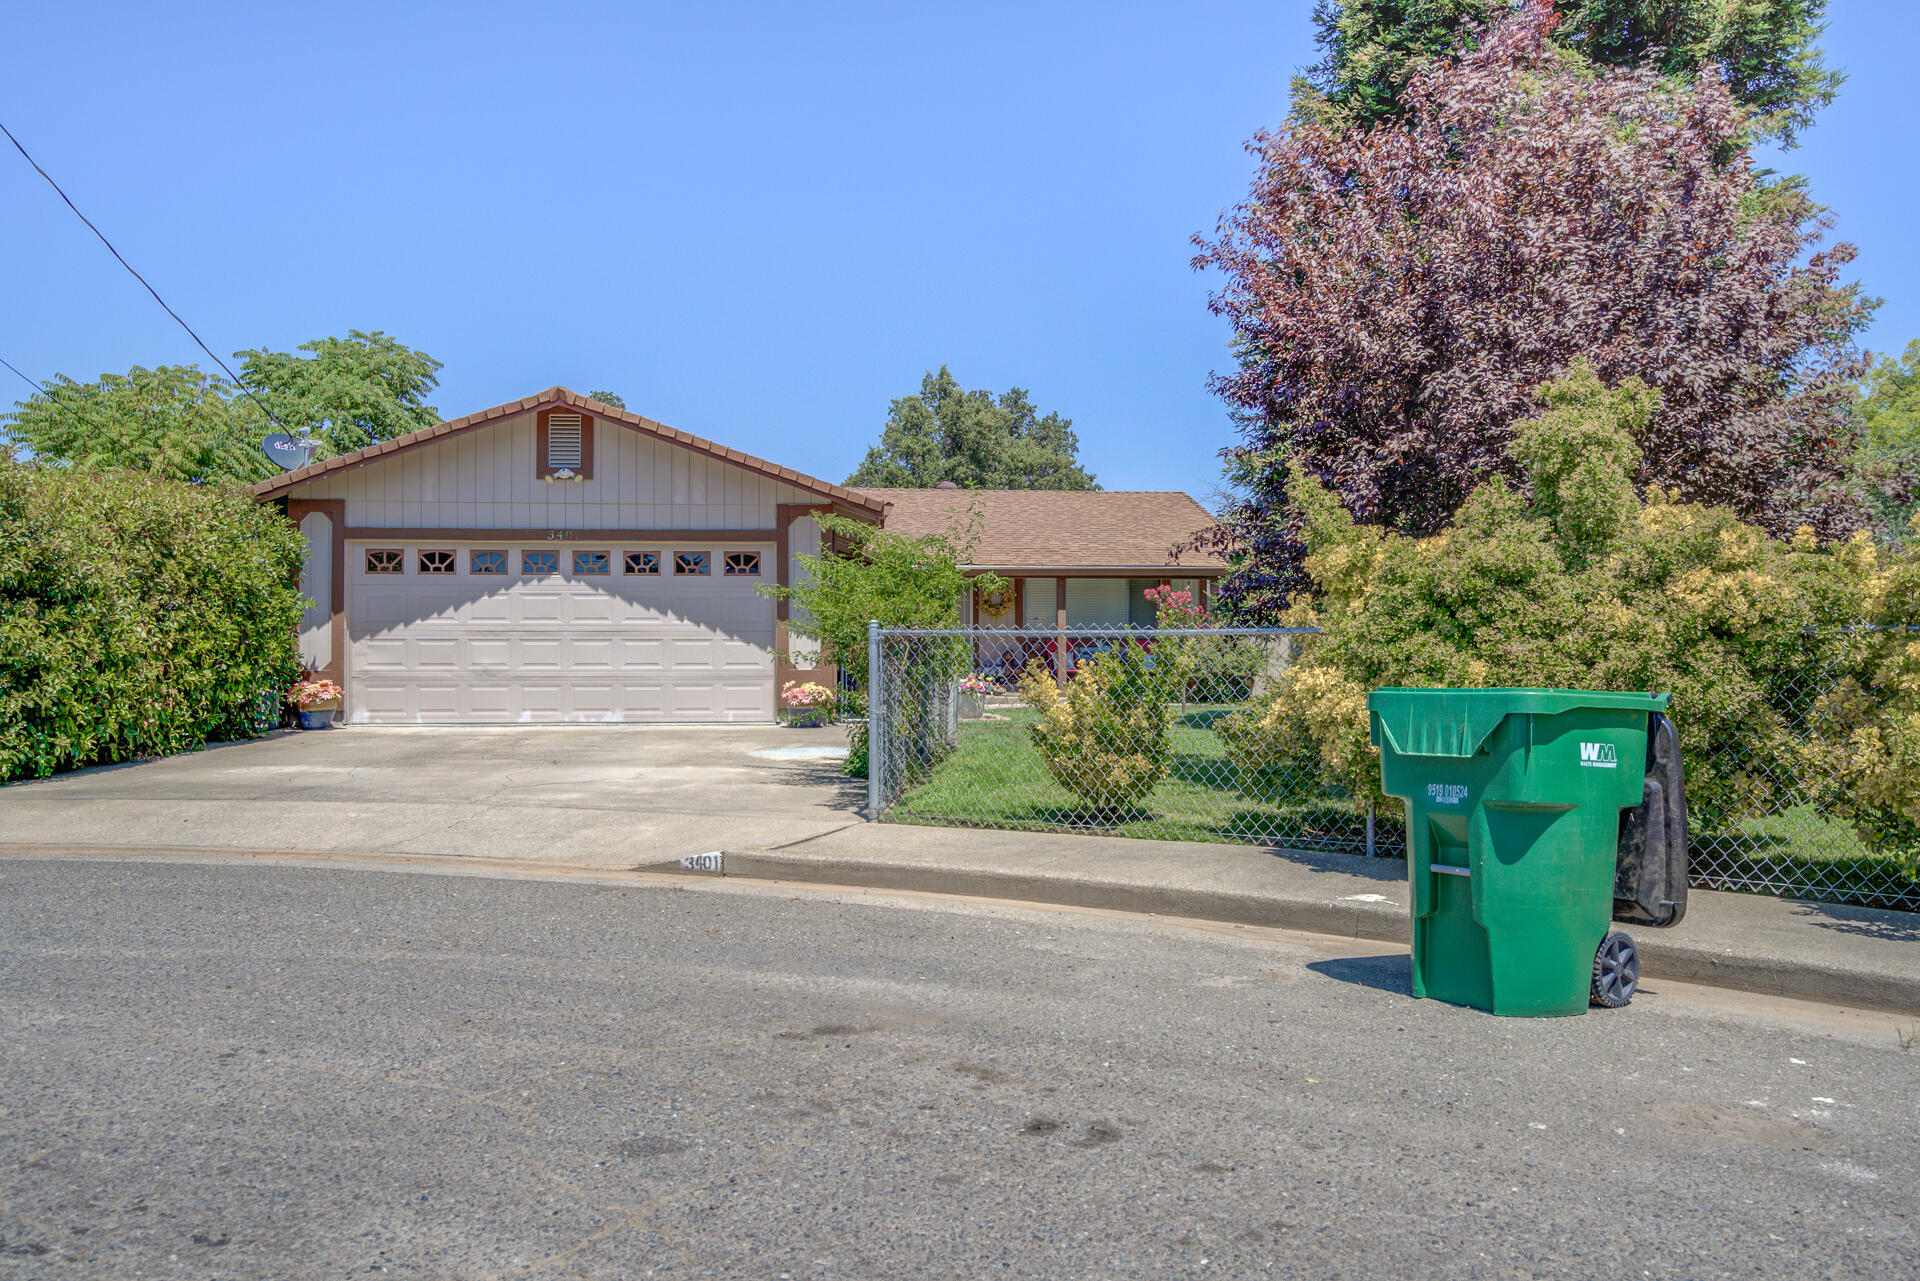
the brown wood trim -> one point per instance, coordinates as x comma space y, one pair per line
335, 510
540, 417
372, 533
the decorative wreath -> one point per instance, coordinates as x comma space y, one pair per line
996, 605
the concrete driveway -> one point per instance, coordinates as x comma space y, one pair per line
620, 795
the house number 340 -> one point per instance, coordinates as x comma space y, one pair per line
557, 535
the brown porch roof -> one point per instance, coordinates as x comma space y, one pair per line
274, 486
1062, 529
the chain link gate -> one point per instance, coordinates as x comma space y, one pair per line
1147, 733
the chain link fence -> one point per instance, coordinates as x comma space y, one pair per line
1156, 733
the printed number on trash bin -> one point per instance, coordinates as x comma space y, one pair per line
1447, 793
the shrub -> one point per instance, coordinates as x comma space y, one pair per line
138, 616
1105, 736
1311, 735
1779, 695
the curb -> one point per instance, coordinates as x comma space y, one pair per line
1660, 957
1384, 922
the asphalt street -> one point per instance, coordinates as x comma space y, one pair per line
279, 1072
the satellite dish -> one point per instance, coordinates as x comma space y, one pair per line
287, 453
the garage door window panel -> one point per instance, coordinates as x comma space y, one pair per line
590, 564
439, 560
488, 563
692, 563
645, 564
743, 565
386, 560
539, 563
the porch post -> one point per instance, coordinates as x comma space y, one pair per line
1060, 627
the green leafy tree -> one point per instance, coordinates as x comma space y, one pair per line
1887, 467
1765, 50
973, 439
350, 392
900, 580
864, 572
176, 421
608, 398
182, 423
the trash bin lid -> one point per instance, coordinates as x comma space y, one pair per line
1455, 722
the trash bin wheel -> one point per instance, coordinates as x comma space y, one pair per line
1616, 971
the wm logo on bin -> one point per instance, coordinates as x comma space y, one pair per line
1599, 755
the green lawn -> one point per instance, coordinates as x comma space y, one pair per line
995, 778
1803, 853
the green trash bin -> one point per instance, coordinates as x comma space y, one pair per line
1514, 799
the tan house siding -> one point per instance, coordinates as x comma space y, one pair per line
803, 539
486, 479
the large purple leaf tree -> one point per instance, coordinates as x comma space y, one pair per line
1398, 294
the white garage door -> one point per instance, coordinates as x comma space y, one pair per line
486, 633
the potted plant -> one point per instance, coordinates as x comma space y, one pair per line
316, 701
807, 705
973, 696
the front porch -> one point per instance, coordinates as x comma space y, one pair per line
1079, 611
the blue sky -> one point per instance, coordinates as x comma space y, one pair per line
756, 222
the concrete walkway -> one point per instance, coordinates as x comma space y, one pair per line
1815, 951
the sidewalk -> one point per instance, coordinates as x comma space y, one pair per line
1813, 951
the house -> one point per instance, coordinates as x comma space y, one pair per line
1074, 560
558, 559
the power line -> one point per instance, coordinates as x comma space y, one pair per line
231, 376
38, 389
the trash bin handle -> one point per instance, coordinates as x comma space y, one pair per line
1448, 869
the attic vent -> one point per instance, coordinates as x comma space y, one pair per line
563, 445
563, 442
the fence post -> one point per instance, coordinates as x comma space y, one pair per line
876, 751
1371, 852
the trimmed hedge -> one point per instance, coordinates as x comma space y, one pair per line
138, 617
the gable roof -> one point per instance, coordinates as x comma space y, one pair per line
553, 397
1043, 529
